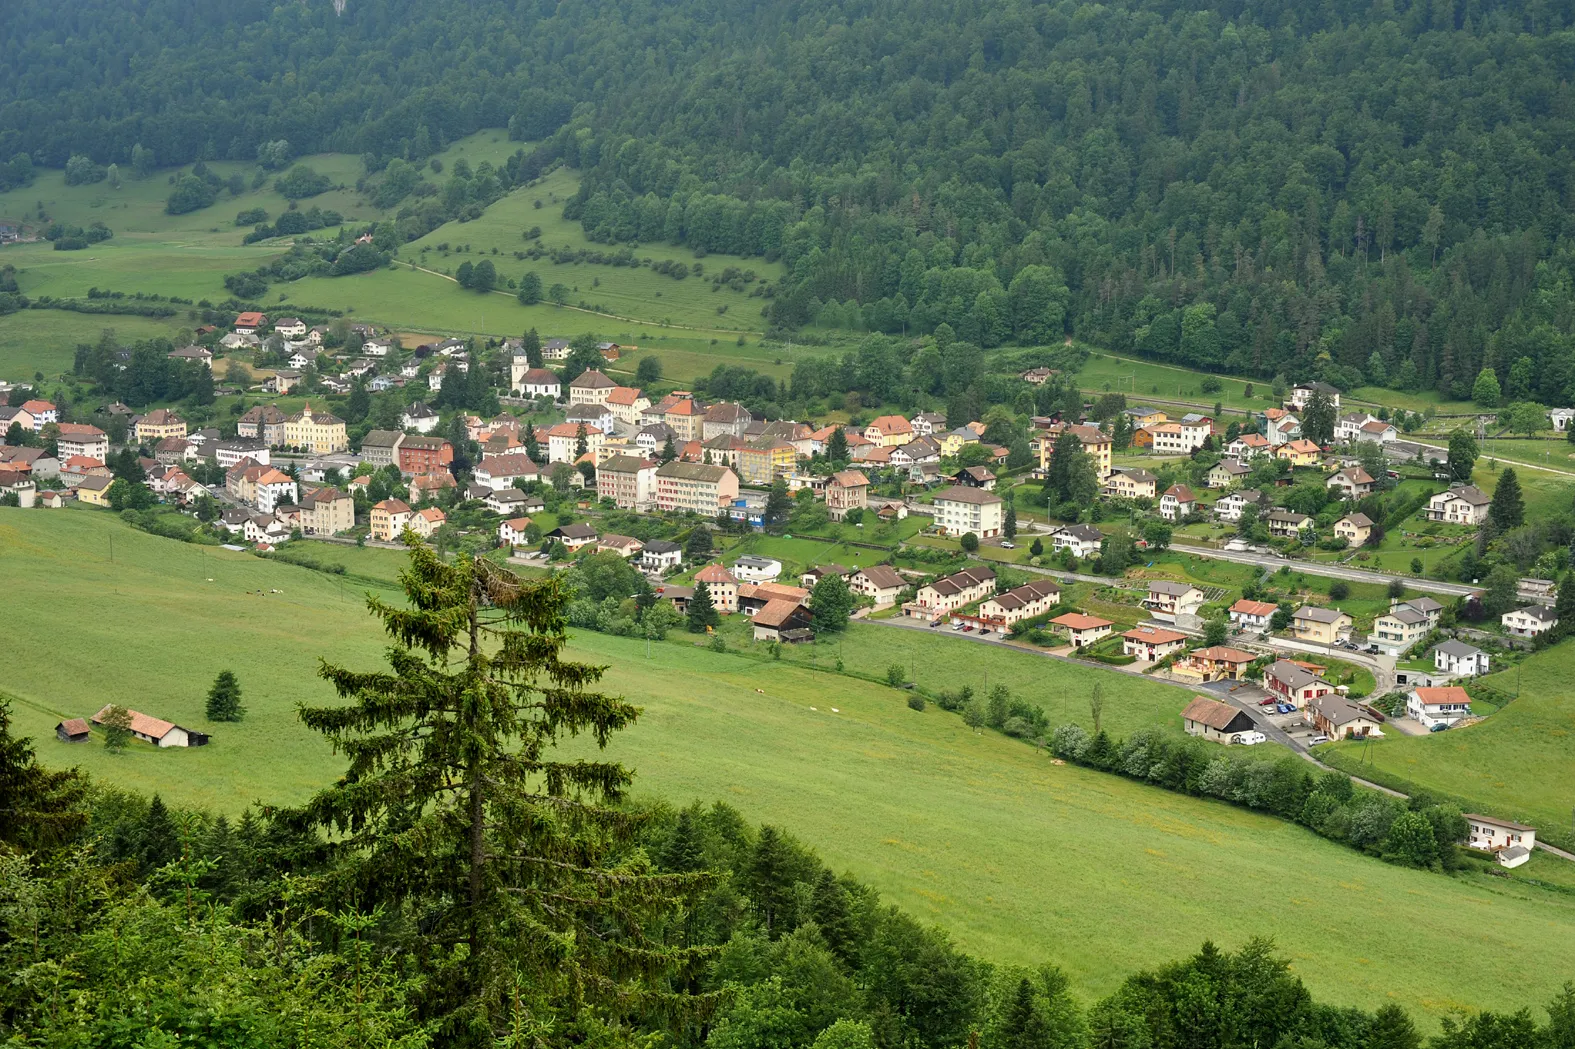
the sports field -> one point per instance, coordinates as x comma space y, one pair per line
1021, 859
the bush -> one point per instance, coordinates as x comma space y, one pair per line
301, 182
916, 702
896, 674
251, 217
1339, 590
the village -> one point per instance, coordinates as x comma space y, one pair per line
552, 492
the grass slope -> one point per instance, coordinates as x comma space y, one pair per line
1021, 859
33, 341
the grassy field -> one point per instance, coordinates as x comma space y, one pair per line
1020, 859
33, 341
1520, 763
1143, 381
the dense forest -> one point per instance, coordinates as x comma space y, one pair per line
1367, 191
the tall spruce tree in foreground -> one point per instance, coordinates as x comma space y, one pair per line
1508, 509
505, 862
39, 808
224, 698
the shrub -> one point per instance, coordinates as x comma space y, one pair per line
1339, 590
915, 702
895, 675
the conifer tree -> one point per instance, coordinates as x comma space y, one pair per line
532, 348
698, 546
829, 906
224, 698
684, 851
769, 879
837, 446
1391, 1028
456, 808
669, 453
39, 808
702, 613
1508, 509
1024, 1027
1009, 526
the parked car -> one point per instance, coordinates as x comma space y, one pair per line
1285, 708
1371, 650
956, 626
938, 622
1317, 740
1007, 544
1267, 702
1440, 727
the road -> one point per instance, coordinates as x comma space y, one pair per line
1321, 568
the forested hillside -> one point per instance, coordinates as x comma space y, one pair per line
1236, 186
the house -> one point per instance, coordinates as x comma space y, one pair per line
752, 597
1130, 482
505, 501
928, 424
1096, 443
975, 477
1348, 428
194, 354
556, 350
1082, 539
1351, 483
250, 323
879, 583
1300, 452
752, 569
1020, 603
1460, 659
1248, 445
1178, 503
512, 532
590, 387
1378, 432
53, 500
425, 487
155, 730
1082, 630
426, 521
535, 382
72, 730
659, 555
290, 327
1037, 376
1431, 707
1355, 529
16, 483
723, 587
783, 620
564, 440
1212, 720
263, 422
512, 470
327, 511
698, 488
591, 415
960, 510
1151, 642
1321, 626
1178, 438
1228, 472
420, 418
847, 490
1230, 507
1543, 591
389, 519
1491, 834
574, 536
1168, 601
1215, 663
626, 403
888, 431
629, 481
1302, 395
1143, 415
726, 418
1560, 419
1338, 718
681, 415
94, 489
1530, 621
237, 340
819, 572
13, 415
424, 455
1287, 524
949, 593
159, 424
1293, 683
378, 348
82, 439
320, 433
1463, 504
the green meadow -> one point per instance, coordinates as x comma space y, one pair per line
1021, 859
33, 341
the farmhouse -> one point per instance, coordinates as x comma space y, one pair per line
1213, 720
1019, 603
1431, 707
1338, 718
880, 583
1459, 658
1321, 626
952, 592
1082, 630
1151, 643
1294, 684
782, 619
156, 731
1530, 621
1167, 601
1463, 504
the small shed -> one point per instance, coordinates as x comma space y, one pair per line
1513, 856
74, 730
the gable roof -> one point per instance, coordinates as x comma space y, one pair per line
1447, 695
1319, 614
1079, 621
777, 612
1211, 712
1458, 649
1165, 586
1254, 608
1181, 493
962, 494
1223, 654
1154, 635
883, 577
1292, 675
714, 574
142, 724
592, 379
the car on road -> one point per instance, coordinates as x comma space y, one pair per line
1317, 740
